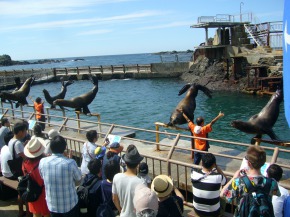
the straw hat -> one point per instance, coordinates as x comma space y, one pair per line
52, 133
144, 199
34, 148
162, 185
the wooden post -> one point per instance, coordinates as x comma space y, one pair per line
275, 155
78, 72
90, 71
157, 137
124, 69
112, 69
170, 154
78, 119
66, 71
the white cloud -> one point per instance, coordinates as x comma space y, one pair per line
132, 17
28, 8
95, 32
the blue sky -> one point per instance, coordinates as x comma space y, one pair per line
38, 29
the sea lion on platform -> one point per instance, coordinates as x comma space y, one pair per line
263, 122
18, 95
61, 95
187, 104
80, 103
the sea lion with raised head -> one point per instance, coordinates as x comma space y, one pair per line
81, 102
263, 122
187, 104
20, 94
61, 95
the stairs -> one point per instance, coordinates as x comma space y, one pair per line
258, 33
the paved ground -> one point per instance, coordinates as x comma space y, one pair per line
9, 208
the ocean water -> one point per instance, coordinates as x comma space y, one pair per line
125, 59
141, 103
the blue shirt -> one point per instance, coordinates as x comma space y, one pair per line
60, 174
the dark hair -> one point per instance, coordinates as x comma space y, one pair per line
19, 126
26, 124
4, 121
37, 130
131, 166
8, 137
275, 171
199, 121
111, 169
208, 160
95, 166
110, 154
58, 145
38, 100
91, 135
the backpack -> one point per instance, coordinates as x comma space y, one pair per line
286, 207
28, 189
83, 195
104, 209
256, 203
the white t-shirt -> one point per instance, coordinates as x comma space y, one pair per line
88, 153
5, 156
146, 180
279, 201
124, 186
18, 147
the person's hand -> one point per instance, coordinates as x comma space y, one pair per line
179, 110
221, 114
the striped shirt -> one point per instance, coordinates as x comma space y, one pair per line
206, 192
60, 174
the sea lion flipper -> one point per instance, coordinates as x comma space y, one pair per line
272, 135
184, 89
86, 110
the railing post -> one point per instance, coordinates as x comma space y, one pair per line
12, 110
275, 155
138, 68
170, 154
66, 71
21, 109
78, 72
112, 69
78, 120
48, 116
124, 69
101, 69
157, 137
109, 131
63, 124
90, 71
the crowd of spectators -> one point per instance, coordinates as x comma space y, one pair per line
123, 181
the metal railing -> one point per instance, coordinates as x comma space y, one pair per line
169, 163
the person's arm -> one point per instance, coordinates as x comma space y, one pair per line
236, 175
116, 201
216, 118
178, 193
184, 115
31, 99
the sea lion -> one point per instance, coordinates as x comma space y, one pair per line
18, 95
80, 103
61, 95
263, 122
187, 104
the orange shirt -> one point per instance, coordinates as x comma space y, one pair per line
200, 144
39, 109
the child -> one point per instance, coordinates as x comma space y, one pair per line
143, 174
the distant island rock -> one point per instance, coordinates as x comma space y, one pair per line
5, 60
173, 52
